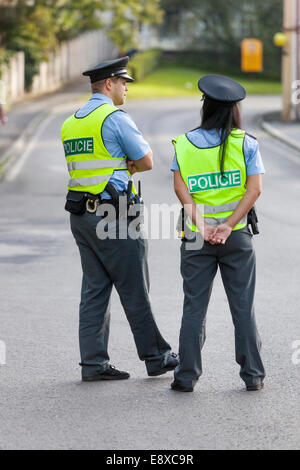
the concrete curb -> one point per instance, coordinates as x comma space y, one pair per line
267, 127
13, 152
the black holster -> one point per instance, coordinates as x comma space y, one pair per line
252, 220
76, 202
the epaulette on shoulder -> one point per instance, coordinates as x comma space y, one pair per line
250, 135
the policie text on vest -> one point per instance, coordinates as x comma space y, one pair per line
84, 145
215, 180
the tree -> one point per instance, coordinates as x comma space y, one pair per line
128, 18
37, 27
226, 23
29, 27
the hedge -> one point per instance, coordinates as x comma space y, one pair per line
144, 63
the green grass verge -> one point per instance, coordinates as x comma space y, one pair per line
173, 81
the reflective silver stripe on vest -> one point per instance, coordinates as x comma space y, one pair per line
217, 221
230, 206
91, 181
97, 164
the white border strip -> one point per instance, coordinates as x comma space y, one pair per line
15, 169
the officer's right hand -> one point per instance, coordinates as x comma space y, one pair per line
221, 234
131, 167
209, 233
142, 164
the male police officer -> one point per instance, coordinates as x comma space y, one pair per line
102, 147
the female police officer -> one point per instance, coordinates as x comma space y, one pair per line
217, 178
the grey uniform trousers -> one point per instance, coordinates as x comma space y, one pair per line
121, 263
236, 260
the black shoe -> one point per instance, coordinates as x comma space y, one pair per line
171, 364
180, 388
254, 388
111, 373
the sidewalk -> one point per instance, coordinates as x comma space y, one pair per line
25, 117
288, 133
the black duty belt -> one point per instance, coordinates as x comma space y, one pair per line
79, 202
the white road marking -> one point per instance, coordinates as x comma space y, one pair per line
36, 231
8, 250
15, 170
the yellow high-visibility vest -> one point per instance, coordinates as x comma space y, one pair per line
90, 165
216, 196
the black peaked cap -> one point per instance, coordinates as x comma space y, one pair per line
221, 88
109, 68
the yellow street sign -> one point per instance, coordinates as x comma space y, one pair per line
252, 55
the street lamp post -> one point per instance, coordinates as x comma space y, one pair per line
289, 41
297, 51
287, 61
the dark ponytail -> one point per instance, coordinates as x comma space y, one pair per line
221, 116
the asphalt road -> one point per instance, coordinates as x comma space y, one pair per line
44, 405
